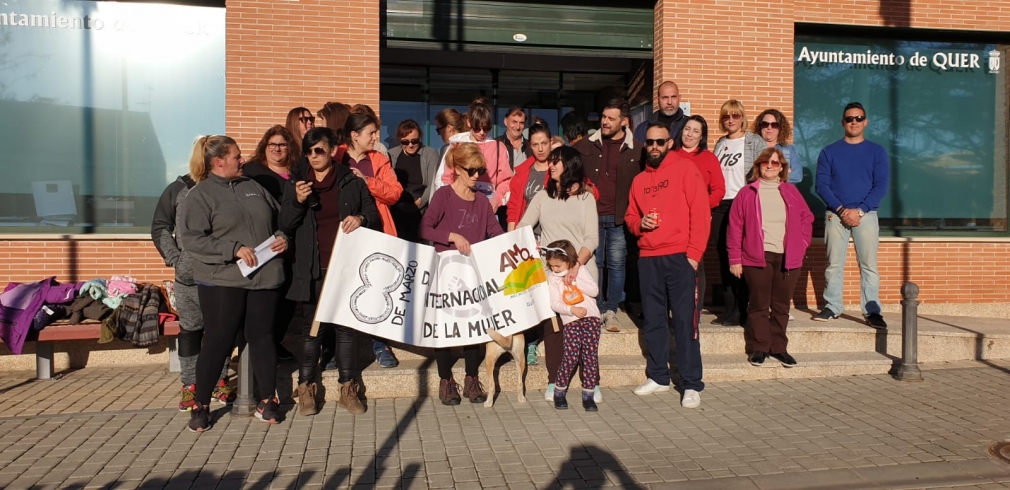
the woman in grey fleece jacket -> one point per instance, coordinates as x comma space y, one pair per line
224, 218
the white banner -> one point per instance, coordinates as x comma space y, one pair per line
406, 292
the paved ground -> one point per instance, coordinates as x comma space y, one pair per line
116, 428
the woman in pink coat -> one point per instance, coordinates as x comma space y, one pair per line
770, 227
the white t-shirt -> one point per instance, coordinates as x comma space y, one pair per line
734, 171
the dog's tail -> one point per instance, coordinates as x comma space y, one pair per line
505, 342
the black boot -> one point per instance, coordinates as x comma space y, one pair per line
731, 315
560, 400
587, 401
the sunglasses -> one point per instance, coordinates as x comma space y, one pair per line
277, 146
475, 170
727, 117
772, 164
766, 124
849, 119
317, 151
481, 130
657, 142
307, 119
438, 129
406, 142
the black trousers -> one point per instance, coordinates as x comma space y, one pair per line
669, 285
472, 357
738, 286
226, 312
347, 342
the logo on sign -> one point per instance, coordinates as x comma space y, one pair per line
994, 61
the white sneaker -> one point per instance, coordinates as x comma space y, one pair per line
597, 395
692, 399
649, 387
610, 322
549, 393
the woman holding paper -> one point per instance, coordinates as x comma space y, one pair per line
457, 218
225, 217
319, 199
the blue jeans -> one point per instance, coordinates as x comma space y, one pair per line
612, 254
866, 238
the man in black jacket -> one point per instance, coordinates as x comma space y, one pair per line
612, 159
669, 113
518, 146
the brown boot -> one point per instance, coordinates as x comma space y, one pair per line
306, 395
349, 398
448, 392
473, 390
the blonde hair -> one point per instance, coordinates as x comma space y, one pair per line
765, 156
205, 150
557, 142
464, 155
732, 106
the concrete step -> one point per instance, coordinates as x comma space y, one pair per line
938, 341
418, 378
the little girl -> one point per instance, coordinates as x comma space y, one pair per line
581, 318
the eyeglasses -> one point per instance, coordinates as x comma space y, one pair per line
772, 164
406, 142
849, 119
727, 117
277, 146
307, 119
317, 151
766, 124
657, 142
475, 170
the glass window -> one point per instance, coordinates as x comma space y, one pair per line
100, 103
940, 110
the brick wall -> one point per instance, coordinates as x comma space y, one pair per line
80, 260
286, 54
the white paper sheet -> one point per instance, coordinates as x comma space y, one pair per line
263, 255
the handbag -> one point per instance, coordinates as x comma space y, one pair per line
572, 295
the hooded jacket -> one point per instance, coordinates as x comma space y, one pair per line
677, 191
299, 222
221, 215
495, 183
628, 166
385, 189
745, 236
164, 225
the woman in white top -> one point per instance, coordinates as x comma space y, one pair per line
736, 152
565, 210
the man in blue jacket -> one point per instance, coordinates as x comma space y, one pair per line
852, 178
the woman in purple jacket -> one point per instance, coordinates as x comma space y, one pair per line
457, 217
770, 227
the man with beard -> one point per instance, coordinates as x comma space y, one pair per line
611, 157
668, 210
669, 113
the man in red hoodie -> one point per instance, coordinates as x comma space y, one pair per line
668, 210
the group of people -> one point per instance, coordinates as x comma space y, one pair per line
596, 202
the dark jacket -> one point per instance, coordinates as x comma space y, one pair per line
165, 224
679, 120
221, 215
261, 173
299, 222
525, 148
628, 166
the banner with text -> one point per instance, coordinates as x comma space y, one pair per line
406, 292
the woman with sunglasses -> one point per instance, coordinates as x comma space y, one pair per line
320, 199
770, 228
736, 152
300, 120
457, 217
565, 210
773, 126
448, 123
414, 163
271, 167
494, 184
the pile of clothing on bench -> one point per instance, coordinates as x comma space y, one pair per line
129, 311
